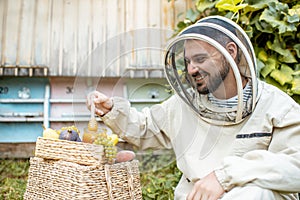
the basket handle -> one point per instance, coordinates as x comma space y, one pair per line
108, 181
130, 181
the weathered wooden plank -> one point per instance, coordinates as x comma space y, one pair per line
26, 33
56, 28
10, 32
42, 34
69, 52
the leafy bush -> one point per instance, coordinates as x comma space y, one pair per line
160, 184
159, 174
273, 27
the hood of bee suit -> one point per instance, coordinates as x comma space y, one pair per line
216, 31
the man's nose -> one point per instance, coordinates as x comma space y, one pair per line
192, 68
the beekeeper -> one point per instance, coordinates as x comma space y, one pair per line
234, 136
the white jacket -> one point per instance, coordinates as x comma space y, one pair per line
264, 149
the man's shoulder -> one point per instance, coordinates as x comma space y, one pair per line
271, 93
276, 105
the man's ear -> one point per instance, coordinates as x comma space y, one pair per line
232, 49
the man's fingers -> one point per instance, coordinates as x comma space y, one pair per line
99, 112
90, 97
191, 195
96, 97
100, 98
102, 103
195, 196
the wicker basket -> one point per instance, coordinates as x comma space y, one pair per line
73, 170
77, 152
49, 179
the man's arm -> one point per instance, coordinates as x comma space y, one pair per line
145, 129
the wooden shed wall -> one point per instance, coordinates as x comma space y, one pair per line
87, 37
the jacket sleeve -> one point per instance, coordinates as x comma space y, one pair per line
143, 129
277, 168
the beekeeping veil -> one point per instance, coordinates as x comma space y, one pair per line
207, 30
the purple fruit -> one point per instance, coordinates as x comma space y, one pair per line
70, 135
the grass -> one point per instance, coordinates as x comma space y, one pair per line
13, 178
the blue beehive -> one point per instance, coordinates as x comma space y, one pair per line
22, 108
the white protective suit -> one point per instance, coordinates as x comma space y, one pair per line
258, 156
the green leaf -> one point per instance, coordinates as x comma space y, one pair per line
202, 5
262, 55
286, 55
249, 31
295, 10
230, 5
297, 49
151, 196
292, 18
273, 16
254, 5
260, 66
282, 76
296, 86
181, 25
271, 81
287, 70
263, 27
270, 65
192, 15
296, 73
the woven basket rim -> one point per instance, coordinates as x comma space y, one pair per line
78, 152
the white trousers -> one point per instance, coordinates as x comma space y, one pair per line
247, 192
252, 192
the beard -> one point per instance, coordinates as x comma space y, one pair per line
215, 80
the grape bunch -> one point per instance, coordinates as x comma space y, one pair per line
110, 149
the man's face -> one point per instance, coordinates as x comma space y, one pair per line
206, 65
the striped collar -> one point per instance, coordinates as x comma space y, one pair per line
229, 103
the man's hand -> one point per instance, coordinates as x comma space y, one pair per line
207, 188
102, 103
